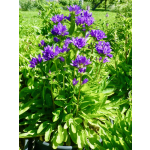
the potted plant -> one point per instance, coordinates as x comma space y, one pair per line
65, 100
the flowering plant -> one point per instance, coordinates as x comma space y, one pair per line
65, 101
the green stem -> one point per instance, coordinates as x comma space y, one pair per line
57, 77
92, 51
100, 69
96, 71
126, 48
52, 98
56, 70
79, 94
64, 76
74, 59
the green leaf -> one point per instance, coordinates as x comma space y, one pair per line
60, 136
79, 140
73, 135
59, 103
65, 134
59, 129
85, 88
30, 134
73, 128
108, 91
86, 104
48, 100
24, 92
42, 126
67, 117
123, 143
78, 120
61, 97
92, 142
34, 116
26, 106
66, 125
30, 82
48, 133
54, 143
103, 101
56, 114
94, 122
72, 25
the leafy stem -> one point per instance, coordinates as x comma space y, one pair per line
100, 69
56, 71
79, 94
92, 50
52, 97
74, 59
64, 75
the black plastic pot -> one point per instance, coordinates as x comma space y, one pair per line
39, 145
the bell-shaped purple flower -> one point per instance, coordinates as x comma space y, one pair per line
74, 81
40, 58
79, 42
103, 47
84, 18
105, 60
100, 59
110, 55
42, 43
85, 81
75, 8
33, 62
80, 61
59, 30
68, 18
57, 18
57, 50
56, 39
65, 46
82, 70
49, 53
61, 58
98, 34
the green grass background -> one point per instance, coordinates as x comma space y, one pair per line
32, 17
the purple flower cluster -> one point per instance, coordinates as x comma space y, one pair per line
59, 30
75, 81
98, 34
65, 46
85, 18
75, 8
35, 61
42, 43
48, 52
79, 42
61, 58
104, 48
68, 18
57, 18
85, 81
80, 62
56, 39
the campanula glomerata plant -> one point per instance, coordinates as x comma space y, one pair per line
66, 99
